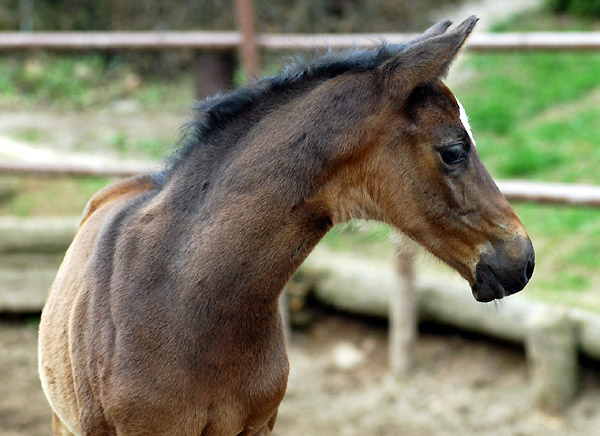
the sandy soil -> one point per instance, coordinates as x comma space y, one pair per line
338, 386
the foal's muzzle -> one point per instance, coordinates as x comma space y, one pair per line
503, 270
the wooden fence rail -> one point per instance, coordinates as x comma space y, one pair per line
73, 170
197, 40
516, 190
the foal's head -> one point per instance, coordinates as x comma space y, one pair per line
419, 170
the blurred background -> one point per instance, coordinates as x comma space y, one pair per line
527, 366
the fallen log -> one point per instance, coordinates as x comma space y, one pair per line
36, 235
363, 286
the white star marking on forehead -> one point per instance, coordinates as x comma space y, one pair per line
465, 120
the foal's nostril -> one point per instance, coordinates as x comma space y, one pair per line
530, 266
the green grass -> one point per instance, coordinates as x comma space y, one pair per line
511, 88
79, 81
567, 242
27, 196
28, 135
537, 20
51, 79
559, 150
148, 147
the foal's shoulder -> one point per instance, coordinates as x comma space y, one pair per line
132, 186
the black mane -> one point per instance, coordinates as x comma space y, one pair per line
215, 113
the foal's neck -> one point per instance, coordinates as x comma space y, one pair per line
253, 214
247, 244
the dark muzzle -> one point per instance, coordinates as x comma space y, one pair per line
504, 270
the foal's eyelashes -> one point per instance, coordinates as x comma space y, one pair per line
454, 154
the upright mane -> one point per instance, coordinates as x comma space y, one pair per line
216, 113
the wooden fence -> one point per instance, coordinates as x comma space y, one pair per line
516, 190
195, 40
215, 51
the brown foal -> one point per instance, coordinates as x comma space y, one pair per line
163, 318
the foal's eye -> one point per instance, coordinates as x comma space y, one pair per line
453, 154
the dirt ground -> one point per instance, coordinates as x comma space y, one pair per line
338, 386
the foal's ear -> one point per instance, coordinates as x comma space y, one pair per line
428, 57
435, 30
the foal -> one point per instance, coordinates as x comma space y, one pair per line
163, 318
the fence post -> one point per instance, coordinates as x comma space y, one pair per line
551, 346
403, 312
284, 309
213, 72
248, 48
26, 14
